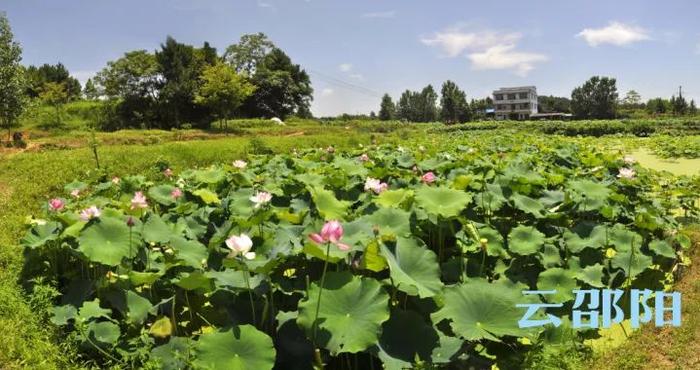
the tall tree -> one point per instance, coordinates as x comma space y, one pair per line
406, 107
453, 104
90, 92
387, 109
679, 106
250, 50
12, 101
133, 83
223, 90
692, 108
180, 70
428, 105
282, 87
596, 98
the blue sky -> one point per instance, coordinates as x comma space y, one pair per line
357, 50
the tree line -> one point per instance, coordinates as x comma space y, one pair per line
422, 106
597, 98
178, 85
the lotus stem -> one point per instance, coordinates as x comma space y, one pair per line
246, 274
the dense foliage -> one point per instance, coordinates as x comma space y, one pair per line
414, 258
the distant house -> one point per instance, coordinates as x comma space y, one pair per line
516, 103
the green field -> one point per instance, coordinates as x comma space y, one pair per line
30, 177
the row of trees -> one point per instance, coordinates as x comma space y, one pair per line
597, 98
183, 84
175, 85
422, 106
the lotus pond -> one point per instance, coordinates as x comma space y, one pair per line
376, 257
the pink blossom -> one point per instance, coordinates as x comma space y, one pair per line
331, 232
56, 204
75, 193
626, 173
240, 244
240, 164
330, 149
89, 213
629, 160
260, 198
364, 157
138, 201
428, 178
375, 185
176, 193
116, 180
168, 173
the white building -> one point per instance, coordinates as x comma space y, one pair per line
515, 103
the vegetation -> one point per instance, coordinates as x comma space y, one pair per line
596, 98
12, 101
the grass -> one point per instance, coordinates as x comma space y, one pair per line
664, 348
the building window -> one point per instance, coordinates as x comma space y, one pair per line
523, 95
511, 97
498, 97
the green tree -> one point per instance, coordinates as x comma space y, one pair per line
679, 106
250, 50
38, 76
427, 105
658, 106
12, 100
692, 108
406, 109
453, 104
180, 69
477, 109
553, 104
90, 92
596, 98
55, 95
133, 83
632, 100
282, 87
387, 109
223, 90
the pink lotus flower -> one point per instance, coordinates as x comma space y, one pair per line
364, 157
240, 244
89, 213
130, 222
375, 185
176, 193
260, 198
331, 232
626, 173
428, 178
330, 149
75, 193
240, 164
139, 200
116, 180
168, 173
56, 204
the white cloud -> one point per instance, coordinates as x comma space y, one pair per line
345, 67
615, 33
486, 49
264, 5
387, 14
326, 92
504, 57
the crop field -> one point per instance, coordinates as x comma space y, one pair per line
344, 245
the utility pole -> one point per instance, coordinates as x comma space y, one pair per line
680, 94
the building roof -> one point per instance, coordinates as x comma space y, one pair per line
509, 89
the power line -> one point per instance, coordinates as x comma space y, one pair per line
345, 85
